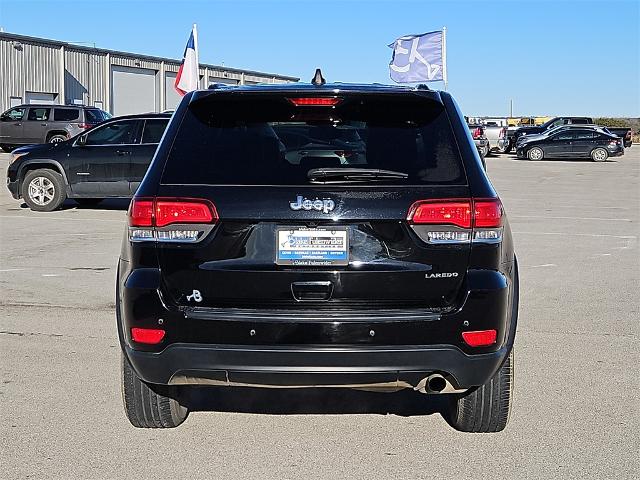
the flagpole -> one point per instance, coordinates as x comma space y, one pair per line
444, 57
195, 45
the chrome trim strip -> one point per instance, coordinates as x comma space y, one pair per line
386, 386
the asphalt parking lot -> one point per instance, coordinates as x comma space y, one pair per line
576, 409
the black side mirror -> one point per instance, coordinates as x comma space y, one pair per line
82, 140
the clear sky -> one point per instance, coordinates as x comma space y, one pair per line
550, 57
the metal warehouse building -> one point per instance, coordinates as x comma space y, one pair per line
37, 70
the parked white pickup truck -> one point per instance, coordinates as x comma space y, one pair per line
494, 130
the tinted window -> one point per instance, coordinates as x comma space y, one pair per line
584, 135
580, 120
268, 141
117, 133
93, 116
560, 121
65, 114
153, 130
564, 136
39, 114
14, 114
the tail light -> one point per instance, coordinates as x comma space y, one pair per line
477, 132
480, 338
84, 126
458, 220
503, 133
170, 219
150, 336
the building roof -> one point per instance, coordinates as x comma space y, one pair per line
72, 46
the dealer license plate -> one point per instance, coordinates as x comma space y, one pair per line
312, 246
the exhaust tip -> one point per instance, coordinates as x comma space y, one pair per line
436, 383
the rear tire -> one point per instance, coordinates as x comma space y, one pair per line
599, 155
7, 148
485, 151
43, 190
150, 406
487, 408
57, 138
536, 153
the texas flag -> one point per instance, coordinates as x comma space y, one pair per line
188, 77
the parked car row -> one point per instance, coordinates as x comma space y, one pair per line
108, 160
509, 136
44, 123
571, 141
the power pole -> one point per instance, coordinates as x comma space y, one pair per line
511, 108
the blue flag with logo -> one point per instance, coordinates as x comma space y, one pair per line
417, 58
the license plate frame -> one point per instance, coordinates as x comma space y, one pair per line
306, 248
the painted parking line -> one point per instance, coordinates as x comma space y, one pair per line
599, 219
84, 219
604, 235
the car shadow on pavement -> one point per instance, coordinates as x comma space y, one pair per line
563, 160
107, 204
318, 401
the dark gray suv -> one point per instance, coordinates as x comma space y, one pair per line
38, 123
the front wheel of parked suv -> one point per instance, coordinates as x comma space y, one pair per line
43, 190
486, 409
150, 406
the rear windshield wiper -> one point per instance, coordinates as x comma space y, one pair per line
350, 175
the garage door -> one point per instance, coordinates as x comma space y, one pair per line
172, 98
40, 97
133, 90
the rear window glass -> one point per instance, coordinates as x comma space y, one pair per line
65, 114
94, 116
261, 140
153, 130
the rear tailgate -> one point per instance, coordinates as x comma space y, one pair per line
284, 241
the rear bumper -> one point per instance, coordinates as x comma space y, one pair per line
616, 151
504, 143
305, 366
392, 348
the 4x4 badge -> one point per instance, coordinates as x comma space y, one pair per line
195, 296
301, 203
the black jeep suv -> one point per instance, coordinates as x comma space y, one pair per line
317, 236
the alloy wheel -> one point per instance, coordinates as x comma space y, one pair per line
535, 154
41, 191
599, 155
